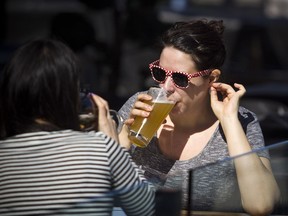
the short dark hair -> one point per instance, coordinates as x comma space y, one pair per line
201, 39
40, 81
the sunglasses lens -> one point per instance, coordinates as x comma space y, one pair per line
180, 80
158, 74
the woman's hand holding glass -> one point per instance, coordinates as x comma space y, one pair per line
146, 123
141, 108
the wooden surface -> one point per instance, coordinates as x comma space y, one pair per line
206, 213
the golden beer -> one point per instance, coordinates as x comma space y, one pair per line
143, 129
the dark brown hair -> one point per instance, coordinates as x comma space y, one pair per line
201, 39
40, 81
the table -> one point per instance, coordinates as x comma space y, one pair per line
208, 213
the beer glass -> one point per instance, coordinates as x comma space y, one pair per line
168, 197
143, 129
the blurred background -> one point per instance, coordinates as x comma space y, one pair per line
115, 40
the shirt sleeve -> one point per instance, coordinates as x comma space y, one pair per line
134, 193
253, 132
124, 111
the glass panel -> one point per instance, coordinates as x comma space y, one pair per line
226, 195
225, 199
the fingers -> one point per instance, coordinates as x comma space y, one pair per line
141, 106
105, 121
228, 104
228, 91
213, 94
99, 101
101, 104
223, 88
142, 100
129, 122
241, 89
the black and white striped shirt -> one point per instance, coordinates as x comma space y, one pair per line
70, 173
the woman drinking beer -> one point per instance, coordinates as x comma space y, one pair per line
203, 128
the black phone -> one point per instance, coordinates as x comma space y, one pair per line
88, 113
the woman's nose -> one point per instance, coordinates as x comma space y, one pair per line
169, 85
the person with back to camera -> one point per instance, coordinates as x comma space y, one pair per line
202, 128
48, 166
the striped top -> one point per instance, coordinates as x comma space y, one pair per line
70, 173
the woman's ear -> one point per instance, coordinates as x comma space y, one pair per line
214, 76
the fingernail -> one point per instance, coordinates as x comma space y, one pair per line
146, 114
90, 94
149, 108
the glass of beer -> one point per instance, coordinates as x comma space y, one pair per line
143, 129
